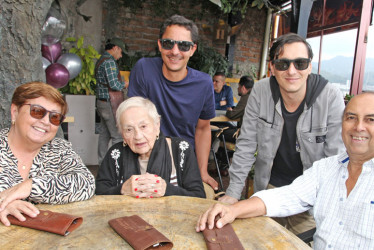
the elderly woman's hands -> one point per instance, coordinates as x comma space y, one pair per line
17, 192
144, 186
16, 208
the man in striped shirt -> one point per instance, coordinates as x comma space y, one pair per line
339, 188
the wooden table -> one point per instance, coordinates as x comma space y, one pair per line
174, 216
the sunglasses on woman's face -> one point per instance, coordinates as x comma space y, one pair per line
183, 46
298, 63
38, 112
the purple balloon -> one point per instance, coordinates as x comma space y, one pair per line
57, 75
52, 52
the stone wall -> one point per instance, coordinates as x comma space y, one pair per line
20, 57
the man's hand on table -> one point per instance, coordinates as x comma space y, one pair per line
207, 219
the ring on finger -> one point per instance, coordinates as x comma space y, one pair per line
152, 185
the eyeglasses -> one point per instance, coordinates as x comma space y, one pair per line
298, 63
38, 112
183, 46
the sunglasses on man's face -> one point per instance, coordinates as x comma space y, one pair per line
38, 112
183, 46
298, 63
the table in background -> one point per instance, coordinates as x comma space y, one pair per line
174, 216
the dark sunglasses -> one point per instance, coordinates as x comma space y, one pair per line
298, 63
183, 46
38, 112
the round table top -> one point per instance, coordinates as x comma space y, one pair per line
173, 216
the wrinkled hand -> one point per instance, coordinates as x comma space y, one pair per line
209, 180
144, 186
16, 208
224, 212
227, 199
17, 192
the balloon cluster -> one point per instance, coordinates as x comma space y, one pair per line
59, 68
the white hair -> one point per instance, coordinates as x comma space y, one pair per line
137, 101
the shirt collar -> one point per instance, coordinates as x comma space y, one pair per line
343, 159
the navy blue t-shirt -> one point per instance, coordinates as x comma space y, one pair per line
180, 104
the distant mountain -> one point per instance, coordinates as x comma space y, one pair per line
339, 69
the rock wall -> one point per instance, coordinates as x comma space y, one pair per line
20, 57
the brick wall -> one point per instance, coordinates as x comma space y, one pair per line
140, 31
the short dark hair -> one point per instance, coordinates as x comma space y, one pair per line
247, 82
220, 74
109, 45
277, 47
181, 21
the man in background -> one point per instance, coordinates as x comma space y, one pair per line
108, 75
223, 96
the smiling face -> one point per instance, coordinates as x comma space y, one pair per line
34, 132
358, 127
292, 81
174, 60
139, 131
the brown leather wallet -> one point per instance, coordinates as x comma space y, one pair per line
223, 238
49, 221
139, 234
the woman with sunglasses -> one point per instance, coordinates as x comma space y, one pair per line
147, 164
35, 166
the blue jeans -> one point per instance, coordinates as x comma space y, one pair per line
108, 128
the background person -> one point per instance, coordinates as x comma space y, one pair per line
223, 96
183, 96
108, 75
35, 166
142, 166
291, 120
338, 188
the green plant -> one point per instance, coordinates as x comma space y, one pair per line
208, 60
235, 6
126, 62
85, 82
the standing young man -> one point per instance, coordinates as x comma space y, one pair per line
183, 96
291, 120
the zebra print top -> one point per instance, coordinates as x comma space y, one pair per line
58, 174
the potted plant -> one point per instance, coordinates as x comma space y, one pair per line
80, 96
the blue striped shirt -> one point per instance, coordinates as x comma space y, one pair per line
342, 222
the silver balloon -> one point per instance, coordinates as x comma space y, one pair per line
45, 62
53, 27
72, 62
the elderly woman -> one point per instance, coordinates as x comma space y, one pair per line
35, 166
147, 164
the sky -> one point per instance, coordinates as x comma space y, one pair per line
341, 44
